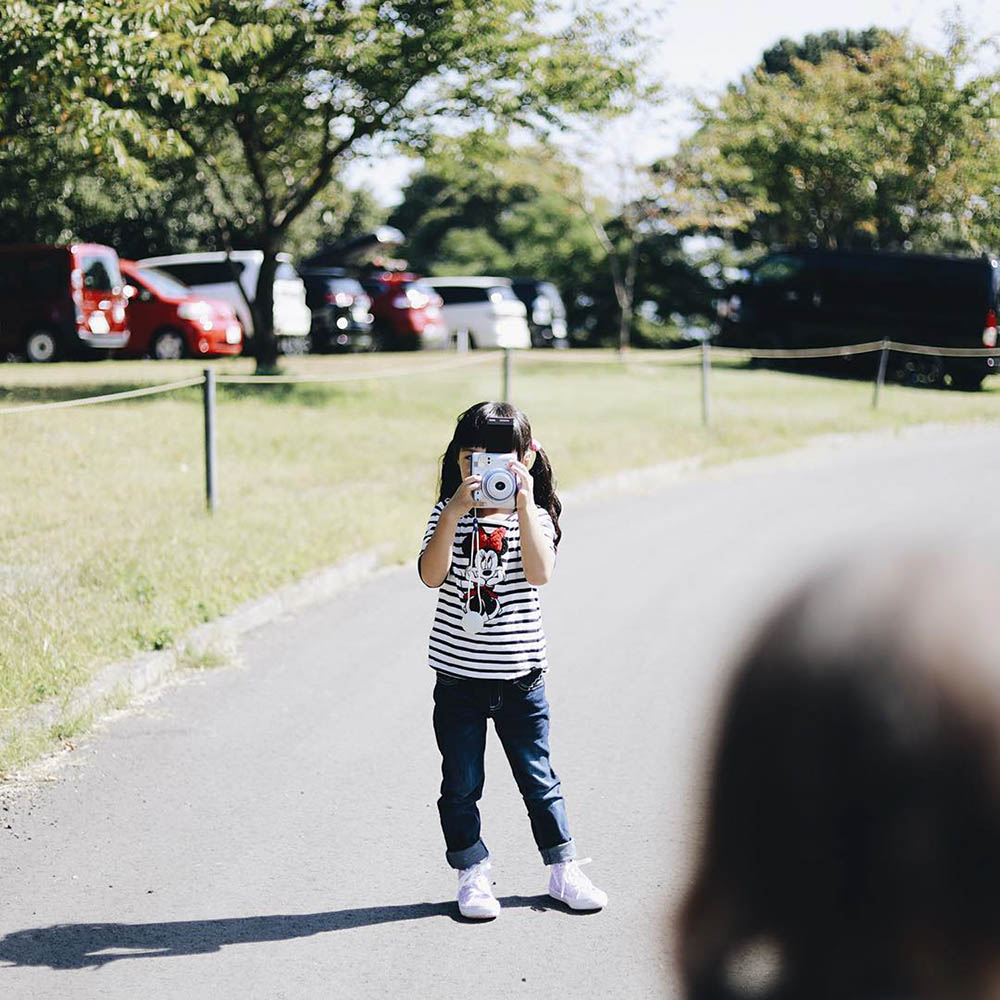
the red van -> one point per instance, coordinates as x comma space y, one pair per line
169, 320
60, 302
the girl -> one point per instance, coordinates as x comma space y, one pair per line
488, 650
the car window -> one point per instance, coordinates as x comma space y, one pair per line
776, 270
348, 285
163, 283
203, 273
97, 274
460, 295
373, 286
43, 273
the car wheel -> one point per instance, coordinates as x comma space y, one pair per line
292, 346
319, 343
382, 339
965, 381
41, 346
917, 370
169, 345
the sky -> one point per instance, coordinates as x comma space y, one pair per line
707, 43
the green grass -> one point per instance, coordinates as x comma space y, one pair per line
106, 548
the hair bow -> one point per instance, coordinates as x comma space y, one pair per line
494, 540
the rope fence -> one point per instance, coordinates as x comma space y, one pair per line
209, 379
868, 348
151, 390
363, 377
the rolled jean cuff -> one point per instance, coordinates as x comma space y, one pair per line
468, 856
561, 852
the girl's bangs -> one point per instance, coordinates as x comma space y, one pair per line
470, 430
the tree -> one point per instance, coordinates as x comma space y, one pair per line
882, 146
283, 92
483, 206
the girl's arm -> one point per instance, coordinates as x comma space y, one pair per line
435, 560
537, 555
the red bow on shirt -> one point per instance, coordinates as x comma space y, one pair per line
494, 540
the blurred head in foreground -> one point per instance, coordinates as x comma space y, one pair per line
852, 844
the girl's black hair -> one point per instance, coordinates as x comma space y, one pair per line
470, 433
854, 800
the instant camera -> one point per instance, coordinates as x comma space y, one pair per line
499, 485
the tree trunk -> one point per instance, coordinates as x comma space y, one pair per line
627, 297
624, 327
265, 341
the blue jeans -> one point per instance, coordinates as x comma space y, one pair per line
520, 713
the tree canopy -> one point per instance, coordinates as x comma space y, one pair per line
891, 146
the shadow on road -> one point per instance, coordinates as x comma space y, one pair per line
81, 946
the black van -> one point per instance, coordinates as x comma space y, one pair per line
827, 298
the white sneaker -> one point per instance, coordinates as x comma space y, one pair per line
475, 894
570, 886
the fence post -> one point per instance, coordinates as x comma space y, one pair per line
880, 377
208, 395
506, 374
706, 369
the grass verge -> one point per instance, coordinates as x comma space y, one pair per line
106, 548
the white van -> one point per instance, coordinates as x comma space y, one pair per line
486, 307
212, 276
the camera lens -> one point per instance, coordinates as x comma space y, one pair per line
498, 485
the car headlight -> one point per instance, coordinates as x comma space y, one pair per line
197, 311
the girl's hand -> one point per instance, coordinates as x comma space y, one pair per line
461, 503
525, 484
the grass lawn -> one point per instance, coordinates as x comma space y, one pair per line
106, 547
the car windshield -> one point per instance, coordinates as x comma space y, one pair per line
100, 273
163, 283
348, 285
776, 270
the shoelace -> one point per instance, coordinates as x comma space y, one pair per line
573, 875
470, 875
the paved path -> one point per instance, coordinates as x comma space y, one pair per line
271, 832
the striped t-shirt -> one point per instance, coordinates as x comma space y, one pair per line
511, 642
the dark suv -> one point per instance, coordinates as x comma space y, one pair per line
341, 310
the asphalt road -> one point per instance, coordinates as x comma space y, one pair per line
271, 832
